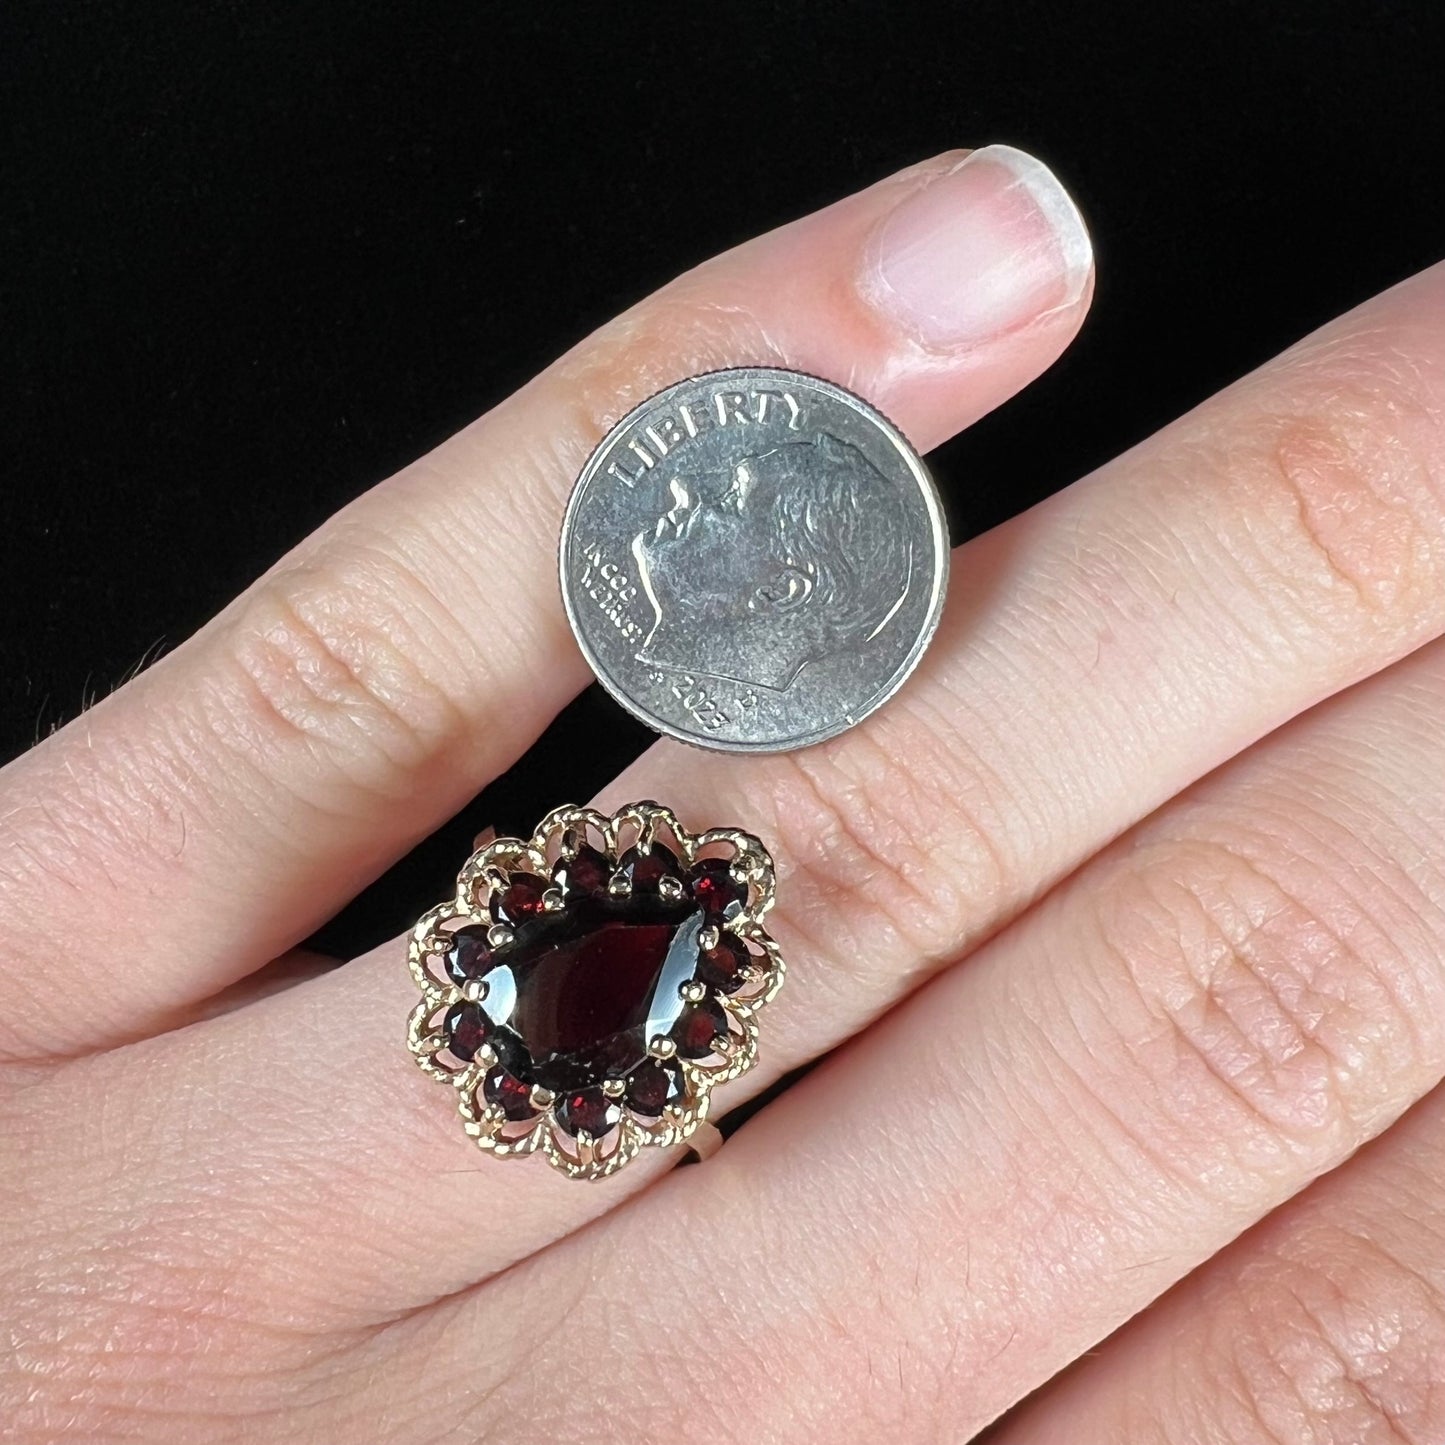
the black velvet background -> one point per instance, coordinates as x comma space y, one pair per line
256, 256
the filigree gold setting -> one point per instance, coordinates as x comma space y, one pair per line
559, 836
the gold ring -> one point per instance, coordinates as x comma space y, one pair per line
586, 989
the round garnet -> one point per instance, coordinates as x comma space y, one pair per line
469, 955
697, 1026
714, 886
723, 965
519, 899
653, 1086
587, 1109
510, 1094
465, 1028
586, 871
644, 871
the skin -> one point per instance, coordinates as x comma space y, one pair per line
1124, 924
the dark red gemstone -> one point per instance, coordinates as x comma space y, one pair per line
721, 967
581, 991
644, 871
469, 956
586, 872
519, 899
697, 1026
653, 1085
466, 1028
588, 1109
510, 1094
714, 886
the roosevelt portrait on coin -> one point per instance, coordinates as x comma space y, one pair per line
783, 558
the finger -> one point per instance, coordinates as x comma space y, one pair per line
1000, 767
999, 1174
1325, 1324
281, 973
222, 805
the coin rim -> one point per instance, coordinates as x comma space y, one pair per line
904, 670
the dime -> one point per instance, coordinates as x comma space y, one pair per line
753, 560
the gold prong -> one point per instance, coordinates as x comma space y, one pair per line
486, 1056
709, 938
499, 935
661, 1047
494, 876
542, 1098
586, 1148
670, 887
619, 885
693, 991
552, 900
722, 1045
614, 1088
474, 990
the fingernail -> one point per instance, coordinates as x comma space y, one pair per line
979, 251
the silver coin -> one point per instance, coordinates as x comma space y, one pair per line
753, 560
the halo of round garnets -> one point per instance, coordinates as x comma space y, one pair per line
586, 989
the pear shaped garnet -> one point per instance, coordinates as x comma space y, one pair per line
596, 996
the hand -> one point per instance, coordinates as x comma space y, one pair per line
1125, 919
